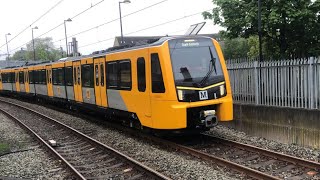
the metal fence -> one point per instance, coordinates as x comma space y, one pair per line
287, 83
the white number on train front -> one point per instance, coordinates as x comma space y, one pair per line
203, 95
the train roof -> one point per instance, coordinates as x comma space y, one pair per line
127, 47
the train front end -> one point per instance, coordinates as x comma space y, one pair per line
200, 82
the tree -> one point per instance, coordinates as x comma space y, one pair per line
44, 48
235, 48
289, 28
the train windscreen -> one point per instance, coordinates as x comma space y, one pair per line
195, 62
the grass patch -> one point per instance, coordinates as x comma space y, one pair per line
4, 148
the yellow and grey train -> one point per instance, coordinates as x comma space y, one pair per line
175, 83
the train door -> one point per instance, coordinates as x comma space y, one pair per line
49, 80
100, 82
17, 83
26, 80
77, 81
143, 79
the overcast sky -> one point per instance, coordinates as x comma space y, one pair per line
17, 15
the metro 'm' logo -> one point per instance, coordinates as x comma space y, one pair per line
203, 95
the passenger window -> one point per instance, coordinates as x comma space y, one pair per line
125, 75
112, 75
79, 75
31, 80
141, 74
55, 76
68, 76
50, 76
156, 75
47, 76
96, 68
87, 75
75, 75
17, 77
21, 77
102, 74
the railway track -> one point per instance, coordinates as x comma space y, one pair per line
254, 161
248, 160
85, 157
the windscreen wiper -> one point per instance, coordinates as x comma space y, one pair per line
211, 68
186, 74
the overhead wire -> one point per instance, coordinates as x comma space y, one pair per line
157, 25
60, 24
95, 27
33, 22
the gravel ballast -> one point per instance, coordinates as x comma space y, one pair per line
172, 164
290, 149
26, 159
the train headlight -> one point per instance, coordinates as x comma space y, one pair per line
222, 90
180, 95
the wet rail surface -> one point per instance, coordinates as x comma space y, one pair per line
245, 159
256, 162
85, 157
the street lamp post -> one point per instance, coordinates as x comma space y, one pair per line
7, 45
34, 50
65, 33
126, 2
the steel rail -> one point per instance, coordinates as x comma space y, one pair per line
151, 172
276, 155
222, 162
44, 144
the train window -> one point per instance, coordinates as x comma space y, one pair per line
31, 80
87, 75
75, 75
50, 76
55, 76
3, 77
58, 76
68, 76
156, 76
125, 75
47, 76
61, 76
11, 77
141, 74
35, 77
0, 77
112, 75
21, 77
78, 75
43, 77
102, 74
96, 68
16, 77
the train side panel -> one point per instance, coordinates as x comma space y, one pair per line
58, 80
87, 81
69, 81
40, 81
77, 81
100, 81
31, 80
126, 92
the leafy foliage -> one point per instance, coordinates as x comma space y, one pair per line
44, 48
289, 28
